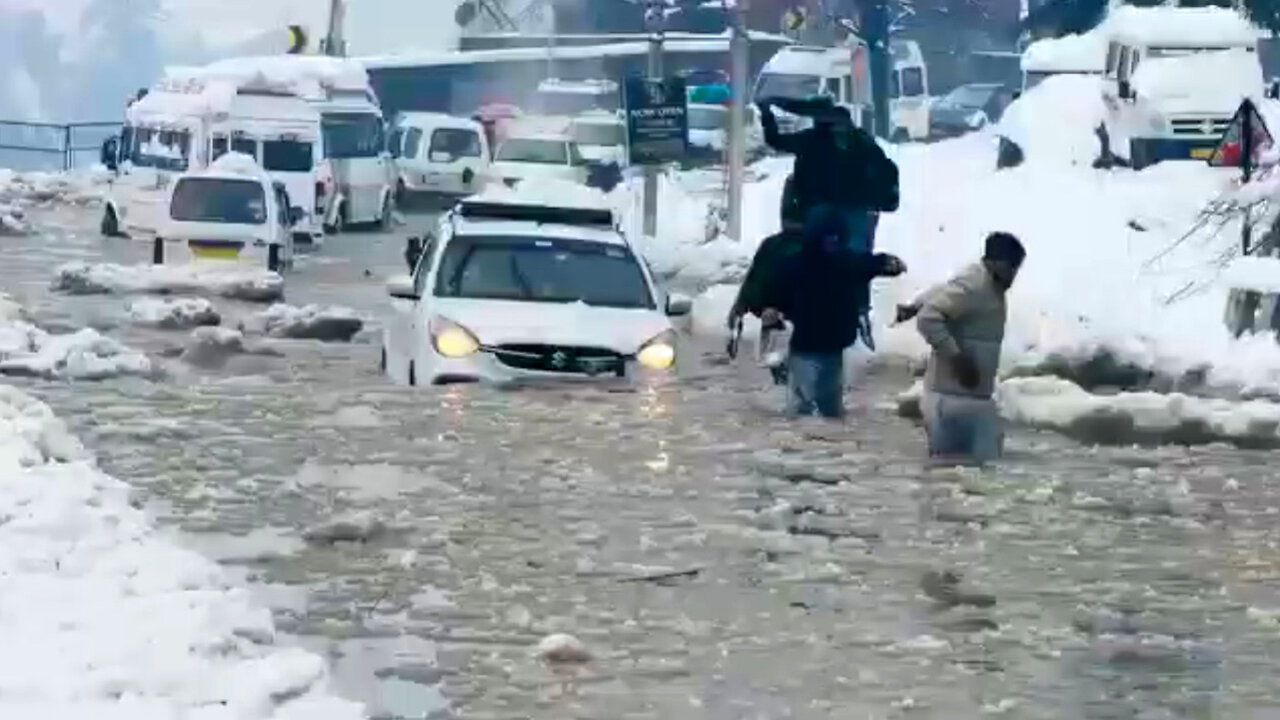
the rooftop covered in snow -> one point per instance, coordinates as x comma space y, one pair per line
1086, 52
308, 76
1204, 27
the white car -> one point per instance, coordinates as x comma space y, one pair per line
509, 290
601, 138
539, 157
439, 154
233, 210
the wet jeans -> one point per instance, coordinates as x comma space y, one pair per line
963, 428
815, 383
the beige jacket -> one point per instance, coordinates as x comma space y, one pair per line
966, 313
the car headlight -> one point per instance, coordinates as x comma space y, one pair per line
659, 353
451, 339
977, 119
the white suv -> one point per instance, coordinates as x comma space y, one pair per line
508, 289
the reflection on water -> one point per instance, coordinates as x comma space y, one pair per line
719, 561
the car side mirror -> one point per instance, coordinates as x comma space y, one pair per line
400, 287
679, 305
110, 149
412, 252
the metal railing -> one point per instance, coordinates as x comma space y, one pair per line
52, 146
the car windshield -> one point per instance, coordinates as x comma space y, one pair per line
708, 118
970, 96
783, 85
599, 133
549, 270
218, 200
528, 150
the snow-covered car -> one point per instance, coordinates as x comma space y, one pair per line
968, 108
232, 210
511, 290
709, 132
543, 156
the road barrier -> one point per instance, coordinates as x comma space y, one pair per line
51, 146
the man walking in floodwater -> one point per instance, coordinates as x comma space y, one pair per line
963, 320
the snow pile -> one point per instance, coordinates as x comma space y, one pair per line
1126, 418
13, 220
104, 618
312, 322
1180, 26
26, 349
212, 346
237, 163
173, 313
1084, 53
1129, 418
19, 192
227, 280
1060, 138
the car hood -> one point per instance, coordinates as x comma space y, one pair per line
496, 322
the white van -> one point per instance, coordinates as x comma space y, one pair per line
232, 211
908, 92
804, 71
539, 156
1174, 78
356, 171
1084, 54
185, 123
439, 154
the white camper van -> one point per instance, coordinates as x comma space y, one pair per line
185, 123
908, 92
356, 171
804, 71
1174, 78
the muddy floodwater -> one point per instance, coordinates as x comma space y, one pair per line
716, 560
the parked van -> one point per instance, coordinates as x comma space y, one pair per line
908, 92
233, 211
356, 172
804, 71
184, 123
439, 154
573, 97
1173, 79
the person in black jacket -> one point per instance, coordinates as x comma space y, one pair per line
821, 290
837, 165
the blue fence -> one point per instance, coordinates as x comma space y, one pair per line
48, 146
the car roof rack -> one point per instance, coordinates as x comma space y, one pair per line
542, 214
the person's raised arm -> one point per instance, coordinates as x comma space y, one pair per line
773, 137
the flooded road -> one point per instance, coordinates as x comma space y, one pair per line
716, 560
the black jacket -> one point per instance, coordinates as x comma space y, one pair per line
859, 175
770, 259
822, 290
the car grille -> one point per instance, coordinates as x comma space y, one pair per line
1200, 127
561, 359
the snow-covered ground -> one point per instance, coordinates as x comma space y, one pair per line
312, 322
104, 618
1107, 269
19, 192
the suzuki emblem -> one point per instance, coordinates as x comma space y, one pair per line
559, 359
1208, 127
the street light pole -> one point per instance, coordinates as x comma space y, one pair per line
655, 18
335, 44
740, 67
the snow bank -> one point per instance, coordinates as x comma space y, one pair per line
1059, 138
26, 349
104, 618
312, 322
173, 313
1147, 418
227, 280
19, 192
1086, 52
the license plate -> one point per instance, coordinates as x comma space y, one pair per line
1202, 153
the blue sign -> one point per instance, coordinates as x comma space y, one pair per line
657, 120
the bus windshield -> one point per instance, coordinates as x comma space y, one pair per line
786, 85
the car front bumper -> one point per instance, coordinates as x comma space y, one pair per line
492, 365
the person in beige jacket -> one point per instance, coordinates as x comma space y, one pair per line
963, 321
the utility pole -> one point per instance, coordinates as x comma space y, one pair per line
656, 19
739, 69
1246, 166
875, 24
335, 43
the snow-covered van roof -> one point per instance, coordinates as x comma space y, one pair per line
183, 103
806, 60
1180, 27
1084, 53
233, 166
310, 77
582, 87
435, 120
